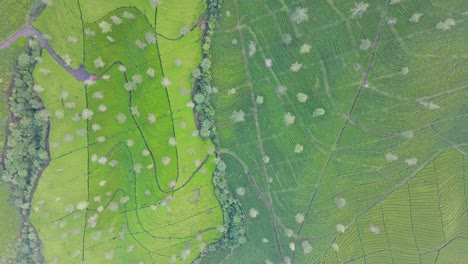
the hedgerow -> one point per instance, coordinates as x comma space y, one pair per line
234, 217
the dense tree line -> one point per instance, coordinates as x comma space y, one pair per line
202, 78
26, 152
28, 246
233, 227
26, 149
234, 218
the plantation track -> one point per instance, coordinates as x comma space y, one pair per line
80, 73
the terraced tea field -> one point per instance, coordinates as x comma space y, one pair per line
344, 128
10, 221
129, 178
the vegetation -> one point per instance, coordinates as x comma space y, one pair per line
301, 132
234, 218
10, 217
202, 78
341, 127
127, 142
8, 59
9, 227
10, 23
13, 16
26, 146
26, 150
234, 234
13, 229
28, 245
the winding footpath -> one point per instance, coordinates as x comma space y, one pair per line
80, 73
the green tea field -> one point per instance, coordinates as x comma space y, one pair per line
344, 128
129, 178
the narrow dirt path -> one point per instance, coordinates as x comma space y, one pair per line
80, 73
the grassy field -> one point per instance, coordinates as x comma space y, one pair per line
343, 125
129, 180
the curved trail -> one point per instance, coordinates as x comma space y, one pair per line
80, 73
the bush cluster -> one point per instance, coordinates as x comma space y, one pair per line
202, 78
234, 217
28, 246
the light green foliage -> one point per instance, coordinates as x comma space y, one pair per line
382, 135
135, 190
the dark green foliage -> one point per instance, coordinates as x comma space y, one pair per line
26, 144
26, 150
202, 77
28, 246
234, 217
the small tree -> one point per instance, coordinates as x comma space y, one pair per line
238, 116
105, 27
300, 15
